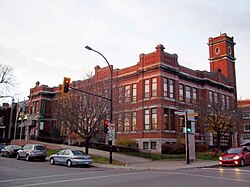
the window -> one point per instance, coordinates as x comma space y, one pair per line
188, 94
171, 88
166, 124
120, 94
126, 122
37, 110
146, 119
210, 96
215, 97
247, 127
134, 93
172, 126
154, 118
182, 123
119, 123
146, 88
227, 102
133, 121
165, 87
246, 114
181, 92
154, 87
194, 95
127, 93
152, 145
33, 107
223, 97
145, 145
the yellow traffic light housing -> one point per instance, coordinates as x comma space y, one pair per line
66, 85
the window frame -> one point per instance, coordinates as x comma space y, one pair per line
146, 89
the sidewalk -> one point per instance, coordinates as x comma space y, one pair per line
166, 165
133, 162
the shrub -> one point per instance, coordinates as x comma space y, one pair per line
201, 148
176, 148
126, 142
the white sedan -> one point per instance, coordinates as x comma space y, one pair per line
70, 157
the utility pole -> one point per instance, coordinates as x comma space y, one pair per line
111, 98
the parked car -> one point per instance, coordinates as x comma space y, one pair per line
2, 146
32, 151
236, 156
70, 157
246, 144
10, 150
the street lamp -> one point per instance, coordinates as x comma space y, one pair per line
111, 98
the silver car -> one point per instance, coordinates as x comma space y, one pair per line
32, 151
70, 157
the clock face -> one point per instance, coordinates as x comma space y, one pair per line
217, 50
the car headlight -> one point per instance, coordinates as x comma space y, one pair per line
220, 158
236, 157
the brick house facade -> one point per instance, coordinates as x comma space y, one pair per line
152, 92
244, 131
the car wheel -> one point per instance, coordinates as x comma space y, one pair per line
52, 161
27, 158
8, 155
242, 163
18, 157
69, 163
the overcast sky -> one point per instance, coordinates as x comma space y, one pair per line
44, 40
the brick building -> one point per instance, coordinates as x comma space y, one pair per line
244, 105
158, 86
40, 121
152, 92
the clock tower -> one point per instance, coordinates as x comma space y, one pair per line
221, 57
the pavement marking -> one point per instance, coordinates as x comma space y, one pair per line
205, 176
228, 170
86, 178
51, 176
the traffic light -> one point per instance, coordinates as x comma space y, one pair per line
66, 85
189, 126
106, 123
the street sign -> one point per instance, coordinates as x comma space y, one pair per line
180, 113
193, 114
111, 131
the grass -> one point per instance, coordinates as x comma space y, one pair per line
155, 156
207, 156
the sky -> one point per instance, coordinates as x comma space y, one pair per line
44, 40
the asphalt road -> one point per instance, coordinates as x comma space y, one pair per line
21, 173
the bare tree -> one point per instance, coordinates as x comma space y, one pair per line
219, 119
83, 113
6, 80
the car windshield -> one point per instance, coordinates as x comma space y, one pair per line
16, 147
234, 151
39, 147
78, 152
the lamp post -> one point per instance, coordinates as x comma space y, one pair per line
110, 99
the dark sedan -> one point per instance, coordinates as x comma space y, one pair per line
10, 150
